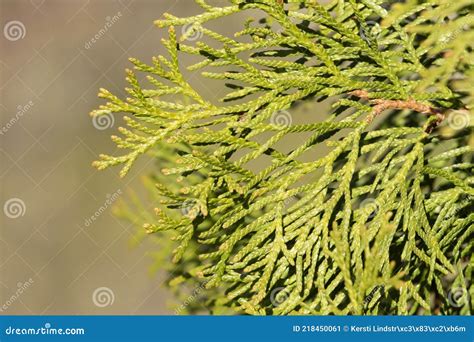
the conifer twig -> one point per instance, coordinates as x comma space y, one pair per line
382, 104
284, 218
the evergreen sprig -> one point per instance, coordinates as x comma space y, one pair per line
380, 222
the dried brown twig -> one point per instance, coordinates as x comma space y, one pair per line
382, 105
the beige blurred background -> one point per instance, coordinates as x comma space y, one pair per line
52, 260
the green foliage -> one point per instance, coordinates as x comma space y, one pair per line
372, 211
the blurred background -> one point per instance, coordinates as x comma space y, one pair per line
62, 251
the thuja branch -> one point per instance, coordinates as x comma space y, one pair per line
279, 217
